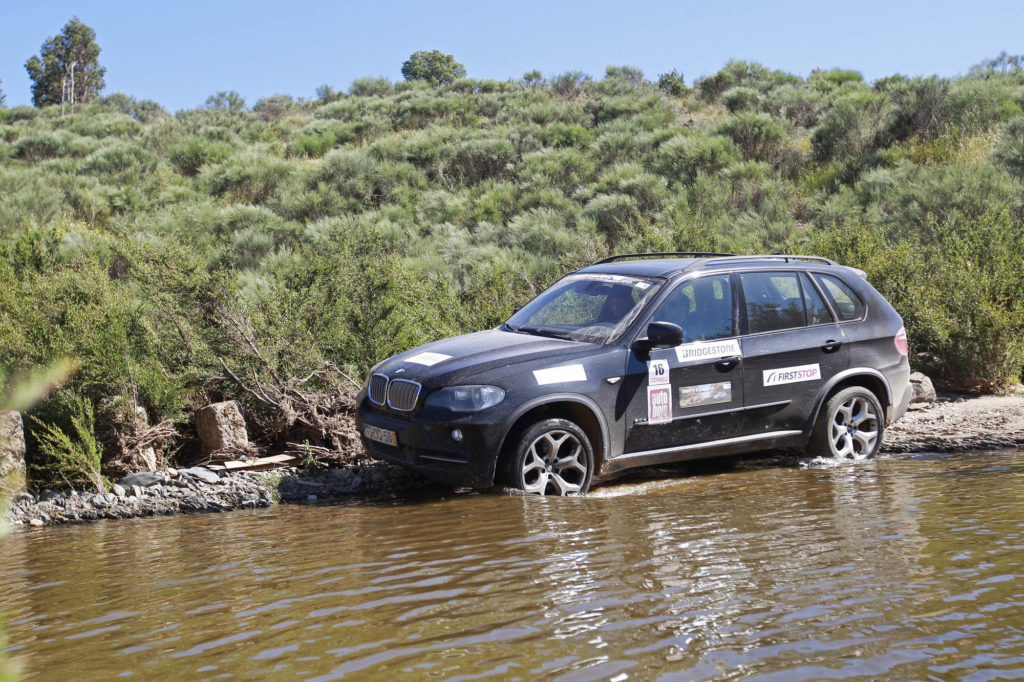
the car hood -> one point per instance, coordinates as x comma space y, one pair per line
450, 361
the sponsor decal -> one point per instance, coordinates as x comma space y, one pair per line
707, 350
705, 394
657, 373
560, 375
659, 404
792, 375
428, 359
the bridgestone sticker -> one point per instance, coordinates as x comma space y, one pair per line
428, 359
659, 404
560, 375
657, 373
792, 375
710, 350
705, 394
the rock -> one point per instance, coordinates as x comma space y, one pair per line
221, 427
24, 497
36, 523
311, 498
172, 472
137, 491
924, 391
201, 473
143, 479
119, 491
12, 452
48, 495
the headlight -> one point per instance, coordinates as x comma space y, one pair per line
466, 398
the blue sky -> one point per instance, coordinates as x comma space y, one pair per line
178, 53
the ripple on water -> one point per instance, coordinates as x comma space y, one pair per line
891, 568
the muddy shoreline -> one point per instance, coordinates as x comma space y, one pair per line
951, 424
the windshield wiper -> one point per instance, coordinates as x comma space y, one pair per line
537, 331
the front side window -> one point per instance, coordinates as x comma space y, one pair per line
701, 307
595, 308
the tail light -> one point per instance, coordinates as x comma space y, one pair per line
901, 341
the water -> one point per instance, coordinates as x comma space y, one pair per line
898, 568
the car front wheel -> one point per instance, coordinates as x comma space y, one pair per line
849, 426
552, 457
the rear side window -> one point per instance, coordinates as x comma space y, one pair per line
846, 303
817, 311
774, 301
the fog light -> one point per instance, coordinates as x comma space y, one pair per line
457, 435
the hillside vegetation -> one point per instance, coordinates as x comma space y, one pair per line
265, 254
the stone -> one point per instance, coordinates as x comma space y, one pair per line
201, 473
143, 479
48, 495
137, 491
221, 427
924, 391
119, 491
12, 452
35, 523
311, 498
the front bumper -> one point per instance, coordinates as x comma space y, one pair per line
425, 444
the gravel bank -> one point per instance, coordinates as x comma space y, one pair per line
952, 424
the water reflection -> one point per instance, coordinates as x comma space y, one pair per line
902, 568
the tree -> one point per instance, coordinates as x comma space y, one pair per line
226, 100
67, 68
435, 67
3, 97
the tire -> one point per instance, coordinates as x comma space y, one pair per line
850, 425
552, 457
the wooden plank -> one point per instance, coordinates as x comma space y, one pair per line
254, 464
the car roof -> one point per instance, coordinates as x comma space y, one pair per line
660, 265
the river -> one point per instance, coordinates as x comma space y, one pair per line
904, 567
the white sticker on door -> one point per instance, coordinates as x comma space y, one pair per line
707, 350
560, 375
657, 373
428, 359
792, 375
659, 404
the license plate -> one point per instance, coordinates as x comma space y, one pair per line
380, 435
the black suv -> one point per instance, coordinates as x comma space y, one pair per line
643, 359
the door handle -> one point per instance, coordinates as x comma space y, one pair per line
726, 364
831, 346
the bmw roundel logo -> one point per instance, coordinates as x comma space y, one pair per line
399, 370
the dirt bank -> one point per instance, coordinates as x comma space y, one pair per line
956, 423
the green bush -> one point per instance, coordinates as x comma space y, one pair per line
1008, 150
73, 459
684, 156
758, 137
190, 156
247, 178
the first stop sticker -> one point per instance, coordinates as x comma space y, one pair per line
659, 404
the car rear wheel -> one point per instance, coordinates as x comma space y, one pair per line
849, 426
552, 457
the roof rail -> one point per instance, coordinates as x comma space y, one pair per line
690, 254
785, 258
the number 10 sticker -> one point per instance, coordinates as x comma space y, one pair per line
657, 373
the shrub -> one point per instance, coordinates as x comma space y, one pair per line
757, 136
1008, 150
191, 155
741, 99
249, 178
72, 459
684, 156
371, 87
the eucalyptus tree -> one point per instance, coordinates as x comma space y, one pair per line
67, 68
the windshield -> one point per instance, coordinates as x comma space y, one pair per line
594, 308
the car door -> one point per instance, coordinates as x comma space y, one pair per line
791, 348
691, 393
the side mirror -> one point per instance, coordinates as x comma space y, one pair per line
661, 335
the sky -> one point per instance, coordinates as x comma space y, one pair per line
179, 53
